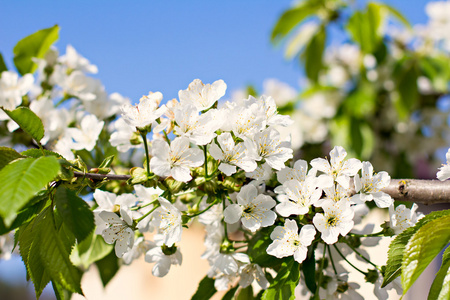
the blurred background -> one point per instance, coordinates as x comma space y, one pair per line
370, 76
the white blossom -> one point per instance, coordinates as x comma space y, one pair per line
444, 171
168, 220
200, 129
12, 88
368, 187
163, 257
339, 170
336, 219
231, 155
299, 197
144, 113
252, 209
270, 148
287, 240
176, 159
74, 61
86, 136
251, 272
402, 217
202, 96
118, 231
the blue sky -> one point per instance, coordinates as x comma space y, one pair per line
142, 46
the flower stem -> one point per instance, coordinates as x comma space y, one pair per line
200, 212
144, 138
352, 265
332, 261
206, 160
362, 256
152, 210
322, 265
380, 233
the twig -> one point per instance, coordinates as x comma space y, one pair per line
422, 191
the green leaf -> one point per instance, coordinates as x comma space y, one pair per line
108, 267
398, 245
21, 180
49, 254
309, 270
60, 292
230, 294
291, 18
7, 155
28, 121
407, 85
26, 214
257, 249
440, 289
312, 56
36, 153
245, 293
284, 283
33, 263
3, 66
365, 27
422, 248
75, 212
107, 162
90, 250
205, 289
34, 45
392, 11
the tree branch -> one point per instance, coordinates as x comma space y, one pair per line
101, 176
422, 191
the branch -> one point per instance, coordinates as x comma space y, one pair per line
422, 191
419, 190
101, 176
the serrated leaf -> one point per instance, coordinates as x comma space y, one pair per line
34, 45
397, 246
21, 180
7, 155
284, 283
75, 212
54, 253
3, 66
25, 215
28, 121
440, 289
33, 263
291, 18
205, 289
422, 248
36, 153
108, 267
60, 292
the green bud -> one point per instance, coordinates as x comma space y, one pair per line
136, 139
138, 176
342, 287
353, 241
372, 276
169, 250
